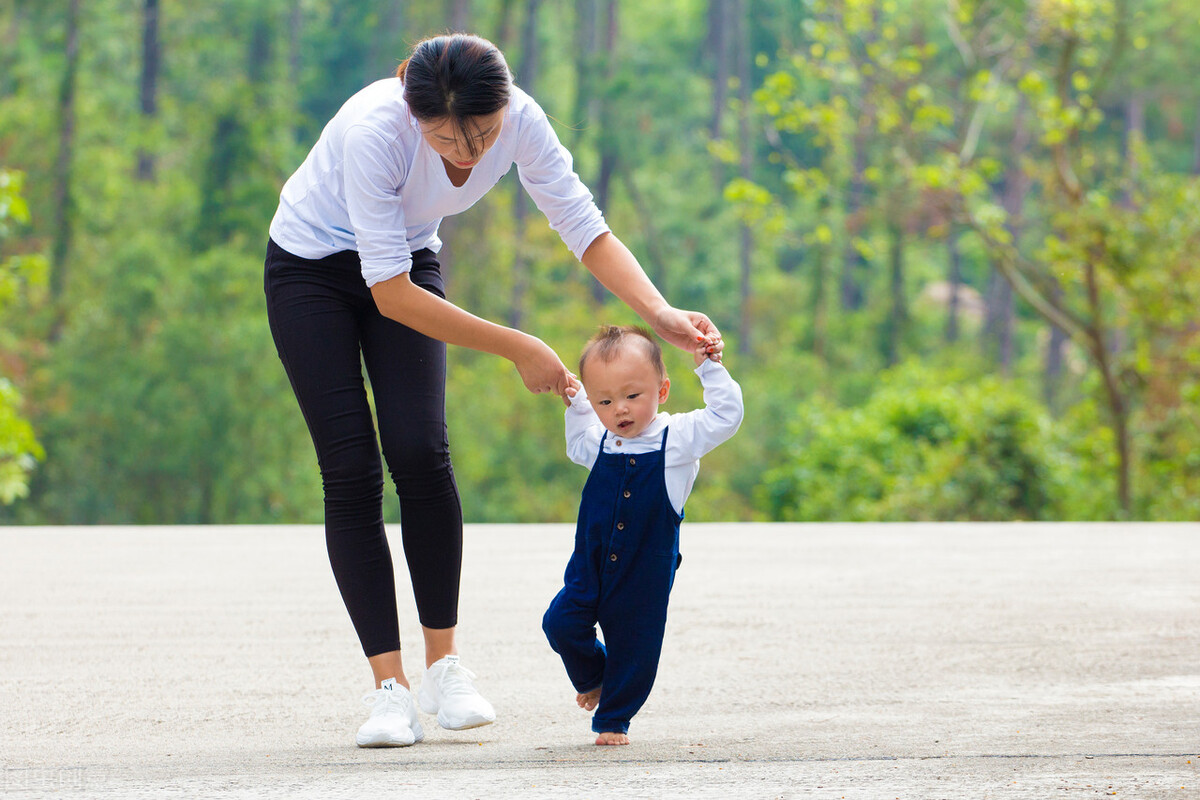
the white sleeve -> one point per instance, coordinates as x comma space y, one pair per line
697, 432
547, 173
584, 431
372, 180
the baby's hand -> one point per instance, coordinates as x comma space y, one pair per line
572, 389
708, 349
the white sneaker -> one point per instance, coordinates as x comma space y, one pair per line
446, 690
393, 721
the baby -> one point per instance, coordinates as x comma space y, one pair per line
643, 464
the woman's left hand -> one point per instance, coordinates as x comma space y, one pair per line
688, 329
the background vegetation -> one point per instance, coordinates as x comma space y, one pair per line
950, 243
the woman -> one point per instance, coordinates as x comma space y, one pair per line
351, 269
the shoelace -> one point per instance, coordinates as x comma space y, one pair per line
393, 697
456, 680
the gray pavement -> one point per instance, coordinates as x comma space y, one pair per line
822, 661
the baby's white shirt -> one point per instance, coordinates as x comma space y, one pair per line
372, 184
693, 434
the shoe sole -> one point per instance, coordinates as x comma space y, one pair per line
418, 736
465, 726
371, 745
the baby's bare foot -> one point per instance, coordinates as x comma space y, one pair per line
612, 737
588, 700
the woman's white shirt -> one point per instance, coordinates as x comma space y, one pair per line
372, 184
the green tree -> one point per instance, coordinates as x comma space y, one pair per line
20, 274
1088, 270
1089, 273
890, 146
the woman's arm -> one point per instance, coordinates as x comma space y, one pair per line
616, 268
546, 171
540, 368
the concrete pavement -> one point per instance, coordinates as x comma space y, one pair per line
823, 661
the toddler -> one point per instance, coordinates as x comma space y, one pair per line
643, 464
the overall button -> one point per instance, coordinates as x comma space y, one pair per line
627, 494
613, 557
620, 526
633, 461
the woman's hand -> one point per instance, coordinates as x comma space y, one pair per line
400, 299
614, 266
688, 330
542, 371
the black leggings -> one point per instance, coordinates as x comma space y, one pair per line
322, 315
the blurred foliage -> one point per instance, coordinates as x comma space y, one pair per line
927, 445
20, 276
873, 156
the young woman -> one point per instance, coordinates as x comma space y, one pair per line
352, 272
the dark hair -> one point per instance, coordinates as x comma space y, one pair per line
611, 339
457, 76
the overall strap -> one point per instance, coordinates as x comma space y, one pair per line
599, 453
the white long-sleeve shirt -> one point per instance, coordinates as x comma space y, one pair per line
692, 435
372, 184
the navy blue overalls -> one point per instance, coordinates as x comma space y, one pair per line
620, 576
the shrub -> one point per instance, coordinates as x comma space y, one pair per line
924, 446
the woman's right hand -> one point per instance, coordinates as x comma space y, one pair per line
400, 299
542, 370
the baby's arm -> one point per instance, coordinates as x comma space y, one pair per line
583, 429
703, 429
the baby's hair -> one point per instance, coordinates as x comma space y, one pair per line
608, 342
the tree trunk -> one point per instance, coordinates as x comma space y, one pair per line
527, 75
8, 62
718, 44
655, 262
582, 115
460, 16
258, 56
746, 146
1055, 358
818, 301
64, 214
387, 44
1135, 135
295, 39
853, 293
1196, 144
149, 86
1001, 309
719, 35
608, 150
295, 62
1117, 403
504, 24
898, 311
608, 146
853, 279
954, 279
530, 66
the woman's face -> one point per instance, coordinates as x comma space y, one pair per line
446, 139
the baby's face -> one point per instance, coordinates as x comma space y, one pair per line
625, 392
